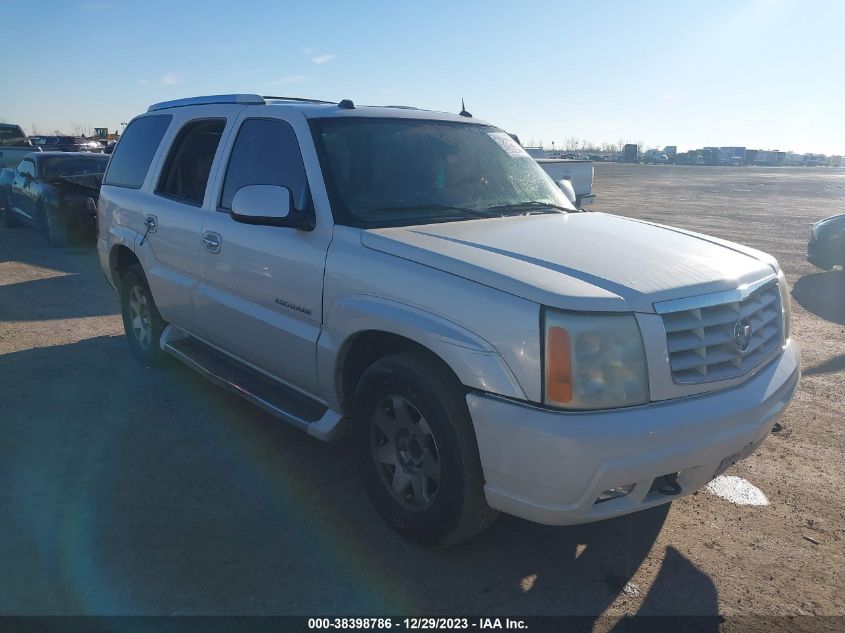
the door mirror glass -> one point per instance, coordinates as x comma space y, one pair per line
262, 204
567, 189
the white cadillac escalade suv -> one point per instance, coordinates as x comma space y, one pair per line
415, 280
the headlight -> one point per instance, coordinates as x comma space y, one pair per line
785, 305
594, 361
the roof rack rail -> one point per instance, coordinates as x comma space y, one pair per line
300, 99
208, 100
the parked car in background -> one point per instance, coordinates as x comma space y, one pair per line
826, 248
54, 192
92, 145
417, 280
14, 145
576, 169
655, 157
578, 172
66, 144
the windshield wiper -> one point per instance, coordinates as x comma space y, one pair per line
530, 204
433, 207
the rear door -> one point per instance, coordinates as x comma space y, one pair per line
260, 297
171, 247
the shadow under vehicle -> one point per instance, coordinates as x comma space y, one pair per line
823, 294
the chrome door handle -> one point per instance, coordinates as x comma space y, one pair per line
211, 241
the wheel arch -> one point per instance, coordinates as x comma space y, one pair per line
369, 328
120, 258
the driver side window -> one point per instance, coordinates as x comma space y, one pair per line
26, 168
265, 152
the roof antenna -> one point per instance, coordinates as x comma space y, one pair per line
463, 111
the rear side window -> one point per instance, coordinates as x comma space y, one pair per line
134, 153
185, 173
265, 153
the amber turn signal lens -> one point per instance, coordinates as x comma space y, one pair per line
558, 366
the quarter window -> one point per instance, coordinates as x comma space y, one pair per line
186, 170
265, 153
134, 153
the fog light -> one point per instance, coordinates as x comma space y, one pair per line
614, 493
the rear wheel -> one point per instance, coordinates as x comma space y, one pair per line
141, 321
416, 450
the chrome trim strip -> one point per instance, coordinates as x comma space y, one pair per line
713, 299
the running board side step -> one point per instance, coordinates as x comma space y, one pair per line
272, 396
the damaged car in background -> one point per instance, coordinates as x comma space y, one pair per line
54, 192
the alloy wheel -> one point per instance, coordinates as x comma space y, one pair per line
405, 453
139, 316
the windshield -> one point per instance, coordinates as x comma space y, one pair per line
13, 136
73, 166
398, 172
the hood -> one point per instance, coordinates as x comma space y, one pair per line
87, 181
578, 261
834, 220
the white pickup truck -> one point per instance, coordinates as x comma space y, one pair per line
416, 280
14, 145
578, 172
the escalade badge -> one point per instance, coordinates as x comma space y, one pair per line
742, 335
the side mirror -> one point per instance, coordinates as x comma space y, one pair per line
268, 205
567, 189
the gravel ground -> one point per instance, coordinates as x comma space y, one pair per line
153, 492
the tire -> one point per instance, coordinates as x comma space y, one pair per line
10, 221
416, 450
141, 320
57, 229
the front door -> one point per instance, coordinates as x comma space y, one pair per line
260, 294
22, 198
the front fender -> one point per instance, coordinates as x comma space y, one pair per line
474, 360
46, 195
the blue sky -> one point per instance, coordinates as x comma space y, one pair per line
760, 73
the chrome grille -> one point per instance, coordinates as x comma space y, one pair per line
701, 340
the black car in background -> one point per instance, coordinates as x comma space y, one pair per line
826, 248
66, 144
54, 192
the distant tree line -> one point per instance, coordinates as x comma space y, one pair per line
575, 144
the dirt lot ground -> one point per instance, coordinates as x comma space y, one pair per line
133, 491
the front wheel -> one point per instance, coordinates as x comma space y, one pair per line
56, 227
141, 321
416, 450
10, 221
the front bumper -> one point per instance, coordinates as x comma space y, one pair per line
550, 467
